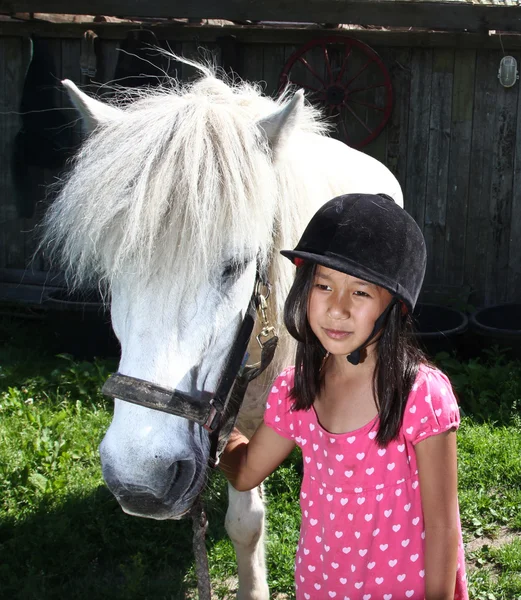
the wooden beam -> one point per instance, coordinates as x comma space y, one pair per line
453, 15
262, 34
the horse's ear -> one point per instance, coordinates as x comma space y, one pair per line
93, 112
279, 125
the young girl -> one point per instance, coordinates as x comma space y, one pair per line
379, 503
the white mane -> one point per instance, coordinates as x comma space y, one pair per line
157, 189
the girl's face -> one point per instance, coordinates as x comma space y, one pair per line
342, 309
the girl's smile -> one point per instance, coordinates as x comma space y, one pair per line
335, 334
342, 309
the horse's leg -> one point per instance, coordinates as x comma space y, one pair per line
245, 526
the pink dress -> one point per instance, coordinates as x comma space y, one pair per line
361, 535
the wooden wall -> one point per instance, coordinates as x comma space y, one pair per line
453, 142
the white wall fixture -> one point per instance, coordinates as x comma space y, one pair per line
508, 73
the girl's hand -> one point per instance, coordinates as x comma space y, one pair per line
247, 464
437, 467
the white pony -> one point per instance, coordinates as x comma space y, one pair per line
171, 203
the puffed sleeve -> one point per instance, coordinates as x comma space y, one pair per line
278, 414
431, 407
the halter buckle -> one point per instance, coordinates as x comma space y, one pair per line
210, 423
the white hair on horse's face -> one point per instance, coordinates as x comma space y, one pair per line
153, 190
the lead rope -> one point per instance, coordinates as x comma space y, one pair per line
250, 372
199, 527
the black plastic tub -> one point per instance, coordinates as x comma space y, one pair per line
498, 325
80, 324
439, 328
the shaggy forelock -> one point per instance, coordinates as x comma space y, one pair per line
181, 181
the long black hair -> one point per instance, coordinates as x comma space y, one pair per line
397, 362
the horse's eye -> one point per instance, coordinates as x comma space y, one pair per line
232, 270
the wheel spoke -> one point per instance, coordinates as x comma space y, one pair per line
328, 63
347, 54
332, 114
364, 125
369, 62
344, 128
304, 85
368, 104
310, 68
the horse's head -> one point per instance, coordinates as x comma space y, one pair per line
172, 203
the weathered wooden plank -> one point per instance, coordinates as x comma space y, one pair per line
33, 178
66, 57
70, 69
252, 63
514, 253
232, 53
108, 59
418, 134
274, 59
4, 149
459, 166
479, 239
12, 90
378, 147
438, 162
435, 15
46, 176
400, 71
501, 192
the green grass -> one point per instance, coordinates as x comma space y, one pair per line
489, 477
62, 534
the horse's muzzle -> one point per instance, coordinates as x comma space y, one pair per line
179, 489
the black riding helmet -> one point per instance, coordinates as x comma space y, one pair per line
371, 237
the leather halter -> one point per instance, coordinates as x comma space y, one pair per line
216, 412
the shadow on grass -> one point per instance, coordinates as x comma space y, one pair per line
88, 548
488, 387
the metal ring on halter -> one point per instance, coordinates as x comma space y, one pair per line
265, 284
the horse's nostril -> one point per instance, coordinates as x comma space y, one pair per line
182, 474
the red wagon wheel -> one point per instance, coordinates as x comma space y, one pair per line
349, 79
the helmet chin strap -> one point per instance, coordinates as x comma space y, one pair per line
355, 356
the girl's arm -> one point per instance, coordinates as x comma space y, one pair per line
437, 466
247, 464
